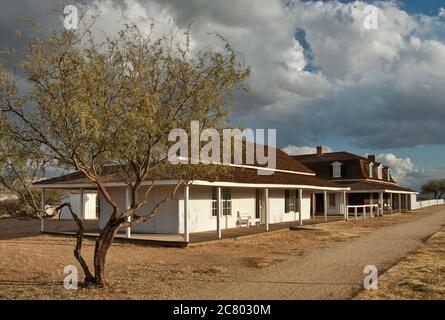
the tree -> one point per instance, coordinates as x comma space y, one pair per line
435, 187
98, 106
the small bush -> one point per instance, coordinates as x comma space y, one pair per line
11, 206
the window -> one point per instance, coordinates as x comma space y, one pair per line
380, 172
291, 203
370, 169
336, 169
332, 203
214, 201
226, 201
226, 195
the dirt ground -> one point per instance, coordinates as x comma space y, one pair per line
31, 264
420, 275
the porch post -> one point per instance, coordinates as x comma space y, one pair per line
371, 202
313, 205
325, 196
390, 202
300, 197
218, 214
345, 206
81, 204
127, 206
266, 209
400, 203
406, 203
42, 207
186, 204
381, 203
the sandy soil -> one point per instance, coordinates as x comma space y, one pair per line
31, 264
420, 275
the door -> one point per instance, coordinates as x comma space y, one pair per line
319, 203
258, 205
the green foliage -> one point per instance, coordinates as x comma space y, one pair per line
435, 187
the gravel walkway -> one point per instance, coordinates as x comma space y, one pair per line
334, 272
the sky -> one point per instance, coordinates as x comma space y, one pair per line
319, 76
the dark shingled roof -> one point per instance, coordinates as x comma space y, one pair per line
354, 166
229, 174
221, 173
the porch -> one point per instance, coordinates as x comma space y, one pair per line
68, 228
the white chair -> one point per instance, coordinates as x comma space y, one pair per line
243, 219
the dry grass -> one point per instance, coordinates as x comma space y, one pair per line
31, 264
420, 275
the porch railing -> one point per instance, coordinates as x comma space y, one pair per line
364, 209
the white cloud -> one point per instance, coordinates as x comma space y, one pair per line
402, 169
441, 12
298, 150
376, 88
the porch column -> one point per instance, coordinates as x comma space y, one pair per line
186, 209
390, 203
371, 202
400, 202
406, 203
81, 204
300, 197
345, 206
218, 214
266, 208
325, 199
127, 206
381, 203
42, 207
313, 205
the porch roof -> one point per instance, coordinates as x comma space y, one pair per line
372, 186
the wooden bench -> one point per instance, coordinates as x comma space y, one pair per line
243, 219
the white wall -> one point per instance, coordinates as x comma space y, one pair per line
165, 220
423, 204
170, 218
276, 211
74, 198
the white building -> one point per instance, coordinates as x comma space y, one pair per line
89, 202
241, 198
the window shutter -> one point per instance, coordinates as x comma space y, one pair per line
286, 201
297, 200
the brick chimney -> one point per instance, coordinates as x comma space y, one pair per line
320, 150
371, 158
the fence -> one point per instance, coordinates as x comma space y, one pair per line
427, 203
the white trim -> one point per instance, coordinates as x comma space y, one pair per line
370, 180
382, 190
269, 169
266, 185
194, 182
252, 167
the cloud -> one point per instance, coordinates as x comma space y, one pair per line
316, 71
297, 150
404, 171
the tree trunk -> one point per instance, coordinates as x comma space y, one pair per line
103, 243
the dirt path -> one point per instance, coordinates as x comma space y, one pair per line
333, 272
